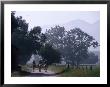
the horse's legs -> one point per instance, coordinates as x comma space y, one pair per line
46, 69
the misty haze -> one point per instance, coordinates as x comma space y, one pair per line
55, 43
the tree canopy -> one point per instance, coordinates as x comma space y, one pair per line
50, 54
72, 44
27, 42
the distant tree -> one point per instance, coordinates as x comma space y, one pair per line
77, 44
72, 44
92, 59
50, 54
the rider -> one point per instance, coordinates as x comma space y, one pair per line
34, 65
40, 65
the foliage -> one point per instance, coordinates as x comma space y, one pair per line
72, 44
92, 59
27, 42
50, 54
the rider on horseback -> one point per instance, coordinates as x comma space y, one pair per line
45, 65
34, 65
40, 65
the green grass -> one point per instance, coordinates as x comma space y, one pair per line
56, 69
95, 72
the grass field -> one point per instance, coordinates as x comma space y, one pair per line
95, 72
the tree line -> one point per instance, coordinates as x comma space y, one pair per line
54, 45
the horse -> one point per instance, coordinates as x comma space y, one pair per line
42, 64
45, 66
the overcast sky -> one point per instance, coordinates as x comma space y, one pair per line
41, 18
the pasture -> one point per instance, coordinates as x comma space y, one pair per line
74, 72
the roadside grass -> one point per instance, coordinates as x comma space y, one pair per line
95, 72
56, 69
